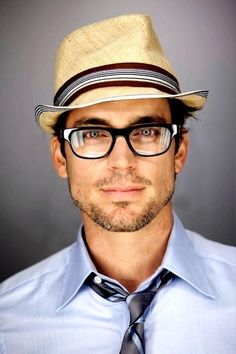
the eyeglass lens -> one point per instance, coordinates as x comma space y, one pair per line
145, 141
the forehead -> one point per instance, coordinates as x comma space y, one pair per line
122, 113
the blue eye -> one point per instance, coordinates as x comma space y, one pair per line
91, 134
147, 131
95, 134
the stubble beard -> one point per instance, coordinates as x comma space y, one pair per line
120, 219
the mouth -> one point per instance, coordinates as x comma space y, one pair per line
123, 192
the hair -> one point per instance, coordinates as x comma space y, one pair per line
180, 112
58, 127
179, 115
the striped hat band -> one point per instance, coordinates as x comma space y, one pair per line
121, 74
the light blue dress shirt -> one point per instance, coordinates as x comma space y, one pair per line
47, 309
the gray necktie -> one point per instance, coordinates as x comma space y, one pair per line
138, 304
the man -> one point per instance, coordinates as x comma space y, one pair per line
135, 281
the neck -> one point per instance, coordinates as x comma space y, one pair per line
129, 257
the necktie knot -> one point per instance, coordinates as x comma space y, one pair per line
106, 289
138, 304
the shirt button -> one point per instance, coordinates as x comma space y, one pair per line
97, 279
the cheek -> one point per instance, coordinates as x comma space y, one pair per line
82, 174
78, 174
161, 169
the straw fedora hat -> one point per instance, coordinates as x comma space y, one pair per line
117, 59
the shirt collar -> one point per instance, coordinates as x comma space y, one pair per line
79, 267
180, 258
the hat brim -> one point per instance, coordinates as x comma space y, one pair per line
47, 115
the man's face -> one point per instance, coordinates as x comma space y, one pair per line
121, 192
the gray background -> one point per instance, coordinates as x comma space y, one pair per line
37, 217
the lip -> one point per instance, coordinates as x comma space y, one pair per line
123, 193
122, 189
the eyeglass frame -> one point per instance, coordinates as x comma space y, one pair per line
174, 130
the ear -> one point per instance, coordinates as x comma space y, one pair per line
181, 155
58, 159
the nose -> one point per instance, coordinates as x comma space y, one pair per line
121, 157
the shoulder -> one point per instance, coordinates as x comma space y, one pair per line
212, 250
45, 270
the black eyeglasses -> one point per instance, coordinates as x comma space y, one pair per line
94, 142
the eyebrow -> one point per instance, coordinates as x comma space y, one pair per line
103, 122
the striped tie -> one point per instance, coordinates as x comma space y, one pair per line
138, 304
